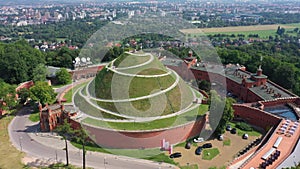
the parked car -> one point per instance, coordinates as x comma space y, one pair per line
228, 127
198, 140
220, 137
245, 136
175, 155
233, 131
198, 150
188, 145
207, 145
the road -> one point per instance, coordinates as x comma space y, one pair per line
21, 131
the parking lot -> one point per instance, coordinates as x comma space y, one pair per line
224, 158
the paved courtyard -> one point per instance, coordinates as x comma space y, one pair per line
223, 159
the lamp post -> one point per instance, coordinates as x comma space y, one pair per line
56, 155
104, 162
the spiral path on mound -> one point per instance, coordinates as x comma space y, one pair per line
85, 94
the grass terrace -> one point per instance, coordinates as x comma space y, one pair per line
126, 60
69, 95
168, 105
85, 107
155, 124
144, 86
155, 64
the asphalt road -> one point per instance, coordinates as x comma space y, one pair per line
19, 130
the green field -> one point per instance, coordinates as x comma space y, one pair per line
263, 31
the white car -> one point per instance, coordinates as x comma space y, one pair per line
198, 140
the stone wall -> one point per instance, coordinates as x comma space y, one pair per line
255, 116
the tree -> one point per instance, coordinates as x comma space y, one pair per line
65, 130
204, 85
216, 107
7, 95
226, 117
43, 93
280, 31
285, 75
81, 136
63, 76
24, 94
39, 73
17, 61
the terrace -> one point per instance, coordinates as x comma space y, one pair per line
279, 146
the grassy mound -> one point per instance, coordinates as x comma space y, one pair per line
126, 60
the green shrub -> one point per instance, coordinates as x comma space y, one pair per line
244, 126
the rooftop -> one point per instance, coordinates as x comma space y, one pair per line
236, 73
269, 91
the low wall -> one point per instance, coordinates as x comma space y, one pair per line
279, 101
144, 139
26, 85
255, 116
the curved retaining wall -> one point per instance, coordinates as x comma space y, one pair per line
255, 116
144, 139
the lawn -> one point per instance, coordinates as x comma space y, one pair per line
69, 94
226, 142
155, 124
10, 157
237, 29
161, 158
144, 86
153, 154
209, 154
34, 116
85, 107
241, 132
129, 60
